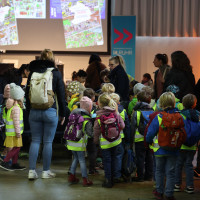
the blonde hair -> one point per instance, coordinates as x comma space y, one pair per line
106, 100
167, 100
148, 90
189, 101
119, 59
115, 97
108, 88
47, 54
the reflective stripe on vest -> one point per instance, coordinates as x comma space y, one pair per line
105, 144
122, 114
4, 114
10, 128
71, 103
138, 136
81, 144
154, 107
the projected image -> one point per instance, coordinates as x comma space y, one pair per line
8, 25
82, 23
31, 9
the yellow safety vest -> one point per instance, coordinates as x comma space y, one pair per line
122, 114
105, 144
138, 136
82, 143
10, 128
72, 101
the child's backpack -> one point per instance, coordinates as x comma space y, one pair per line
171, 131
110, 127
144, 119
128, 162
74, 129
41, 94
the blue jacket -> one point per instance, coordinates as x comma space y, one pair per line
153, 131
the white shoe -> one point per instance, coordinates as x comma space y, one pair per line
32, 175
48, 174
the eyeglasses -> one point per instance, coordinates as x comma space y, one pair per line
110, 65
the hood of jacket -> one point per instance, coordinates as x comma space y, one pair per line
191, 114
105, 110
41, 66
80, 111
142, 106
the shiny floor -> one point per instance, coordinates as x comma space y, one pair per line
15, 185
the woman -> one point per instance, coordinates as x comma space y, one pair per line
43, 122
118, 77
180, 75
93, 79
160, 61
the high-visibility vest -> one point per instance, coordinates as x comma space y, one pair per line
138, 137
82, 143
105, 144
10, 128
122, 114
72, 102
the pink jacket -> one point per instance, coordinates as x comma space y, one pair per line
97, 128
15, 114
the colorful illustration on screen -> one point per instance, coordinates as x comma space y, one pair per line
8, 25
82, 23
30, 9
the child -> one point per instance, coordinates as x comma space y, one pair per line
144, 157
165, 159
78, 147
14, 128
147, 80
108, 88
111, 150
186, 153
104, 74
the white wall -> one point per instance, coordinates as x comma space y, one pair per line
146, 49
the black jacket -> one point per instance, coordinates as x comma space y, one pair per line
184, 80
119, 79
41, 66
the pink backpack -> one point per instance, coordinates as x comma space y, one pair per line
110, 127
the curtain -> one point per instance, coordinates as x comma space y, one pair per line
172, 18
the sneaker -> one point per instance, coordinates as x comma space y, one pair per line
6, 166
170, 198
87, 182
93, 172
157, 195
189, 190
2, 157
32, 175
17, 167
177, 188
48, 174
72, 179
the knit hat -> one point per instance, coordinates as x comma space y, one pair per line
7, 91
86, 104
73, 87
16, 92
137, 88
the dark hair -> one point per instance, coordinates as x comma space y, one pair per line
147, 75
189, 101
22, 68
81, 73
181, 61
89, 92
74, 75
94, 57
162, 57
133, 83
104, 72
144, 96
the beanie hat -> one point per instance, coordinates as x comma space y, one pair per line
16, 92
7, 91
137, 88
86, 104
73, 87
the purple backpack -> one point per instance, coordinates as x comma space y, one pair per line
74, 127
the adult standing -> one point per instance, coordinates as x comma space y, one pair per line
118, 77
93, 79
160, 61
43, 123
180, 74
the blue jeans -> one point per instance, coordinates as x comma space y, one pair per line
43, 124
165, 166
112, 161
79, 156
185, 157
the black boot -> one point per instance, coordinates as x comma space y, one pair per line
107, 183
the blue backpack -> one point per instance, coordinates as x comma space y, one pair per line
193, 132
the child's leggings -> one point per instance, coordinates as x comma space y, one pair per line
13, 154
